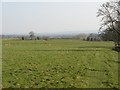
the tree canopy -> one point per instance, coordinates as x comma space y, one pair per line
110, 22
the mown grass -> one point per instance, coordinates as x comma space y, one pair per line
59, 64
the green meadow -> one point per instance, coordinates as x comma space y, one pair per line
59, 63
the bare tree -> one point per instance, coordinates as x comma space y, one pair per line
110, 12
32, 35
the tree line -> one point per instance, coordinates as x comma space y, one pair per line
82, 36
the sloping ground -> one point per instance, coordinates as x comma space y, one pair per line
59, 64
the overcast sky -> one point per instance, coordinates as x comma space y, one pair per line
50, 17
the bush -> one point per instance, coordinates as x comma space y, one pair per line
23, 38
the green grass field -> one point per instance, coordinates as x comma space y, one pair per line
59, 64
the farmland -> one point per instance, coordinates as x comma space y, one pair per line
59, 63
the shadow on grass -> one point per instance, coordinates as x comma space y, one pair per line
86, 48
72, 50
116, 62
106, 47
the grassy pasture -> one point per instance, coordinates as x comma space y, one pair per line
59, 64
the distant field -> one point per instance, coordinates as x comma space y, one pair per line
59, 64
